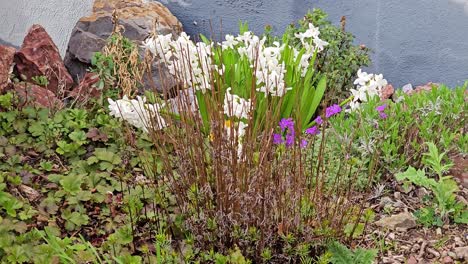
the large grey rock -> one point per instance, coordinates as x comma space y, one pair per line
139, 18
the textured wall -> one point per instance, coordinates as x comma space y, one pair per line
57, 16
413, 41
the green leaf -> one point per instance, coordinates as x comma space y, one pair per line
106, 155
318, 95
78, 137
74, 220
36, 129
340, 254
72, 183
417, 177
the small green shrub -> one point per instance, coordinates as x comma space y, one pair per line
340, 254
341, 58
444, 189
395, 140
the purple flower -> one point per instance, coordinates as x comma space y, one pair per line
332, 110
381, 108
304, 143
312, 130
318, 120
286, 123
277, 139
289, 140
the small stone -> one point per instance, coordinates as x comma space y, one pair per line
458, 241
385, 201
402, 221
387, 92
29, 192
461, 252
443, 254
447, 260
439, 231
426, 87
397, 195
412, 260
388, 260
408, 88
421, 192
432, 251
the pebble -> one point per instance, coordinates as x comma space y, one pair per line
385, 201
433, 252
458, 241
461, 252
412, 260
443, 254
415, 248
397, 195
447, 260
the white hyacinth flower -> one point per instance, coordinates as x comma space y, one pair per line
137, 113
236, 106
367, 86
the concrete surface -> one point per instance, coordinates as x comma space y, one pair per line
57, 16
413, 41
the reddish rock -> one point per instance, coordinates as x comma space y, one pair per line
412, 260
35, 95
425, 88
387, 92
87, 88
460, 168
39, 56
6, 61
447, 260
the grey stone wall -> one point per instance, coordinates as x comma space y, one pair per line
413, 40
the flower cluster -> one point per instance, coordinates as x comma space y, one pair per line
367, 86
287, 125
235, 106
332, 110
137, 112
310, 39
311, 42
266, 61
185, 60
192, 63
381, 110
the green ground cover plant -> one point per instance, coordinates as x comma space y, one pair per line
444, 206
